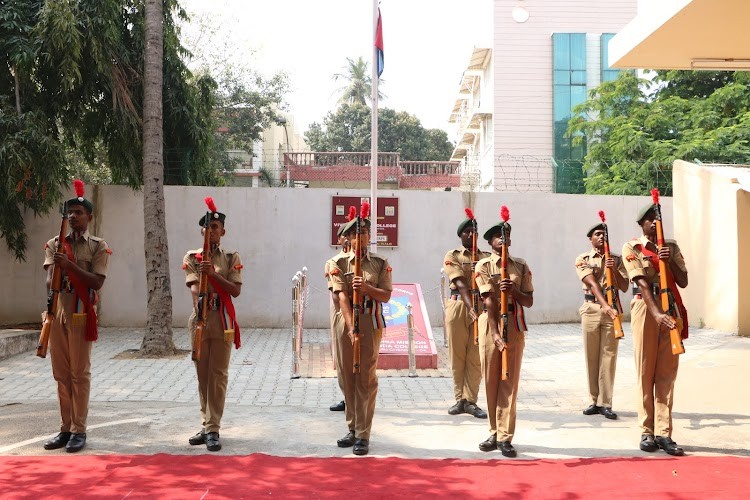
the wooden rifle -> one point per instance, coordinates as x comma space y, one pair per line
201, 316
504, 368
357, 295
54, 289
667, 302
474, 259
613, 296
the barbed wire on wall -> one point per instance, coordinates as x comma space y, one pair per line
343, 170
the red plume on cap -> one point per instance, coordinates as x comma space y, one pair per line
504, 213
210, 204
78, 186
601, 216
655, 196
364, 210
352, 213
469, 213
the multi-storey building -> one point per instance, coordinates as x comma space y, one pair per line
547, 55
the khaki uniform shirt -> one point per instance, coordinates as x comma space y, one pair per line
375, 270
330, 264
592, 262
458, 264
488, 274
227, 264
639, 264
91, 254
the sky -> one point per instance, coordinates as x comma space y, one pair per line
428, 44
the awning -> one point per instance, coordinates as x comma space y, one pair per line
685, 34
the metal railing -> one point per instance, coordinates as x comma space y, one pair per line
299, 302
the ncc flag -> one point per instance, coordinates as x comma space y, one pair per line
379, 44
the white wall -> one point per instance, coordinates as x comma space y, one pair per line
712, 224
278, 231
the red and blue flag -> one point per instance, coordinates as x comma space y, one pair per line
379, 44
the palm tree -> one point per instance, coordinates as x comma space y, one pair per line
358, 83
158, 337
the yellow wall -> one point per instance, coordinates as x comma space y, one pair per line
743, 236
711, 227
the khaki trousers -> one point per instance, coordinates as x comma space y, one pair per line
360, 390
600, 348
71, 367
212, 370
501, 394
464, 355
656, 371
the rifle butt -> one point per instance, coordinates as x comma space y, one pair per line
675, 337
619, 333
197, 341
356, 352
41, 348
476, 332
504, 375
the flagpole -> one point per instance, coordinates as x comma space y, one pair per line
374, 134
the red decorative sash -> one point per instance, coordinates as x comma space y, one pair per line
228, 306
83, 293
672, 288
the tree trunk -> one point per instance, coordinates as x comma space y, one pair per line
17, 83
158, 337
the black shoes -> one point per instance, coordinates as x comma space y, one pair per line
666, 444
473, 409
592, 410
58, 441
76, 443
340, 406
361, 447
601, 410
346, 441
647, 443
199, 438
212, 441
608, 413
457, 408
506, 449
489, 444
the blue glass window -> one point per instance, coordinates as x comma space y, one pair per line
608, 73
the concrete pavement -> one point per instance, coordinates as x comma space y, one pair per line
150, 405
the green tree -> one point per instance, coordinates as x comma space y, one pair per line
348, 129
357, 88
71, 80
634, 133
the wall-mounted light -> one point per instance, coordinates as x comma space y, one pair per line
725, 64
519, 13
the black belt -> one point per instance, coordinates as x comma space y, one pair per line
589, 298
655, 289
213, 302
367, 304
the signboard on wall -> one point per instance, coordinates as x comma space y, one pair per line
387, 217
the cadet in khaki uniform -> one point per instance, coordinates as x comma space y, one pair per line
224, 272
335, 308
459, 317
360, 390
656, 366
501, 394
84, 262
599, 342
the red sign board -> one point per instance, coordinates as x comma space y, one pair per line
387, 217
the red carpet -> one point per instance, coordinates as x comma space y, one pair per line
217, 476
